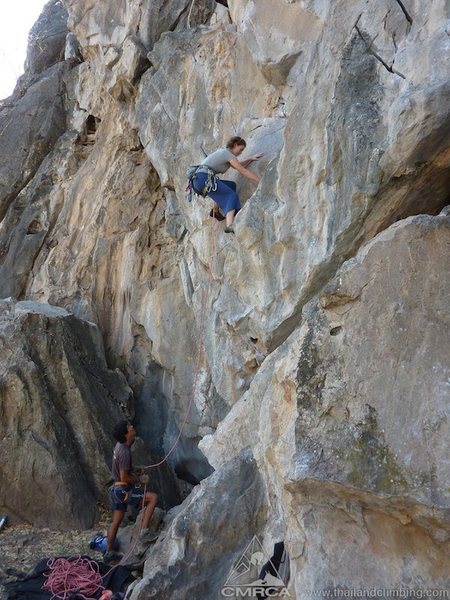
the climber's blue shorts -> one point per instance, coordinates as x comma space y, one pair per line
225, 195
123, 495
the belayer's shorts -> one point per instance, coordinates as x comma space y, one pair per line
124, 495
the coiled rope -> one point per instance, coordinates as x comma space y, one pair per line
74, 575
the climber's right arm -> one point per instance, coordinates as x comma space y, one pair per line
243, 171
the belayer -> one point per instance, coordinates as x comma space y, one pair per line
203, 179
127, 489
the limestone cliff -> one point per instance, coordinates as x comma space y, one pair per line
321, 401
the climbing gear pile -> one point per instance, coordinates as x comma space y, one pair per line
210, 183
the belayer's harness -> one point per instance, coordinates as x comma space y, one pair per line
210, 183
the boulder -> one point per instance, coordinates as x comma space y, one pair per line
234, 499
59, 403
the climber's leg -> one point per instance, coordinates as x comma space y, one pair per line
216, 213
230, 217
226, 197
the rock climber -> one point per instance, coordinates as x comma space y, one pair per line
223, 192
127, 488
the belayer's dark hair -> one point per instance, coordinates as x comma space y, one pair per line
236, 140
120, 431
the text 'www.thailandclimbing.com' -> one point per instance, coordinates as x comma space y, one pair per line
406, 593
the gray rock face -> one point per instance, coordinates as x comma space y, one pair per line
30, 127
387, 282
159, 16
235, 497
34, 117
275, 49
341, 163
339, 180
27, 223
46, 40
59, 406
348, 420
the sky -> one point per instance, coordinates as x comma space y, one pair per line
16, 19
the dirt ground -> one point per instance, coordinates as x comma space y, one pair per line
23, 546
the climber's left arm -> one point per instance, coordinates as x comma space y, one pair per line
250, 159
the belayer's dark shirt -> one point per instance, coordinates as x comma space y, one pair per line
121, 460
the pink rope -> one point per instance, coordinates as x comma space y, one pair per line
199, 356
74, 575
200, 350
81, 576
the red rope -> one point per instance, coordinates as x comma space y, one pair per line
200, 348
80, 576
74, 575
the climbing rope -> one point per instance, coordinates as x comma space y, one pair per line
200, 347
74, 575
81, 576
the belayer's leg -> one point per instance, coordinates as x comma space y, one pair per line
147, 536
116, 521
152, 500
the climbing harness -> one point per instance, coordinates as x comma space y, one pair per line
210, 183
